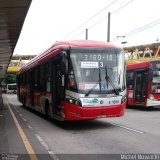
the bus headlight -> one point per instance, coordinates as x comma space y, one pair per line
70, 100
151, 97
74, 101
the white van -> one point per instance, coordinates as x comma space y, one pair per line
11, 88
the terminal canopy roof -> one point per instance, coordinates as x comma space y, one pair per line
12, 16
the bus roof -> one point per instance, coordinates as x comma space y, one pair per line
59, 46
84, 43
139, 65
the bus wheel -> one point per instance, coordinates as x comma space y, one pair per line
47, 110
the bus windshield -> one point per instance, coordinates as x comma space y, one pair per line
97, 70
155, 84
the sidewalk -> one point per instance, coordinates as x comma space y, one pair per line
10, 140
11, 144
3, 134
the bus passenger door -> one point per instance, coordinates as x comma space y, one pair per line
56, 87
141, 87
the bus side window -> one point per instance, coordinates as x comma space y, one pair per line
48, 76
37, 81
23, 79
130, 79
42, 86
27, 81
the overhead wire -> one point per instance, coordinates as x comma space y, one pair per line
104, 18
143, 28
111, 13
149, 25
122, 6
90, 19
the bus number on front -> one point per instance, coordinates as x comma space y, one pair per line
101, 64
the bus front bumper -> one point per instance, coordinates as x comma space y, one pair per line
73, 112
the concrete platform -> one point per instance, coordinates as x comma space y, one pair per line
12, 145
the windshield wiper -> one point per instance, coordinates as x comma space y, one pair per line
99, 81
87, 94
108, 79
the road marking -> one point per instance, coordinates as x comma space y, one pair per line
29, 126
23, 136
131, 129
24, 119
53, 155
43, 143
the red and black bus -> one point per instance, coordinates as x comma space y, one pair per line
1, 94
143, 84
75, 80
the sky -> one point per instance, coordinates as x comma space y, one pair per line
138, 21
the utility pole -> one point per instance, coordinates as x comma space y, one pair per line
108, 29
86, 34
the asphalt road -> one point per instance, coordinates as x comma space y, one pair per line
137, 132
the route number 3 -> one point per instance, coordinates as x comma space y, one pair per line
100, 64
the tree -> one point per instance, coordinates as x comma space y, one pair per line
10, 78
